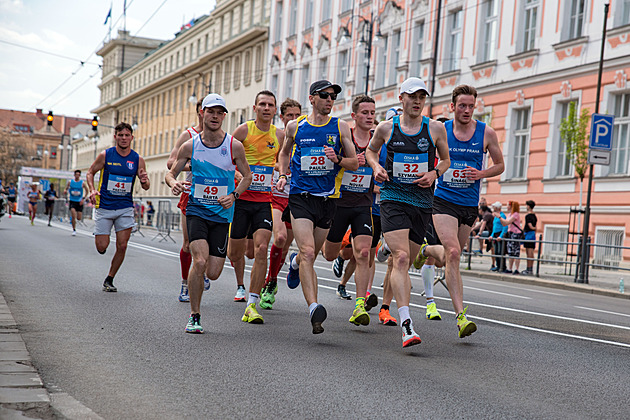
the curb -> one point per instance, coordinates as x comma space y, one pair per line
576, 287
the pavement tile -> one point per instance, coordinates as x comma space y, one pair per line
33, 396
6, 356
15, 366
12, 346
8, 331
27, 380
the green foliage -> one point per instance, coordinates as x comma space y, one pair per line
574, 134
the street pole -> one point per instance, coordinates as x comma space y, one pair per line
369, 51
582, 278
435, 53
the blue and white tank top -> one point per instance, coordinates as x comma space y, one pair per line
117, 178
311, 170
452, 186
409, 155
76, 190
213, 171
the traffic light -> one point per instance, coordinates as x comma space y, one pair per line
95, 123
49, 118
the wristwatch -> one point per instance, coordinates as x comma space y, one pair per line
235, 194
339, 159
437, 171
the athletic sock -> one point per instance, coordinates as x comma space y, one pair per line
185, 259
312, 307
109, 278
430, 301
386, 307
275, 261
403, 313
253, 298
294, 264
360, 301
428, 276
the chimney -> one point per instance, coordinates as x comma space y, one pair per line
39, 113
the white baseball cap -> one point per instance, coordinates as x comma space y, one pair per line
212, 100
412, 85
497, 205
391, 113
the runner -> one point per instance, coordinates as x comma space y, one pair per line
11, 198
33, 196
457, 191
318, 140
185, 259
213, 157
252, 211
407, 191
354, 209
113, 200
76, 187
290, 110
50, 196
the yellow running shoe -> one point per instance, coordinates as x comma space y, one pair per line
465, 326
360, 316
432, 312
251, 315
420, 259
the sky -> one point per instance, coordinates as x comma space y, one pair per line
31, 31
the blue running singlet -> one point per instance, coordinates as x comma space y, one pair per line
117, 178
76, 190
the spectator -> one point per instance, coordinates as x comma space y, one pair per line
515, 233
498, 232
485, 227
150, 213
530, 234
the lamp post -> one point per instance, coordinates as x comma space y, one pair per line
367, 41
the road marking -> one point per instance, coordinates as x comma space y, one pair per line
496, 293
600, 310
514, 287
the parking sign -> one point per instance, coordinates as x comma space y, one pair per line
601, 131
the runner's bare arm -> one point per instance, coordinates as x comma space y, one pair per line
350, 161
183, 156
240, 133
238, 154
183, 138
285, 153
96, 166
374, 149
142, 174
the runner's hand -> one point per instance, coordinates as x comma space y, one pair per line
93, 195
142, 175
330, 153
380, 174
426, 179
282, 181
361, 157
471, 173
226, 201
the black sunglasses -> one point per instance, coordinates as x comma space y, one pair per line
325, 95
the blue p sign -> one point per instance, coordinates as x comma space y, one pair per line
602, 131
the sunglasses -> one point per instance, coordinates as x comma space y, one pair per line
325, 95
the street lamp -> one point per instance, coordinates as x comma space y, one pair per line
46, 158
192, 99
134, 125
69, 158
367, 39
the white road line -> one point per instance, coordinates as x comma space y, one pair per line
600, 310
496, 293
514, 287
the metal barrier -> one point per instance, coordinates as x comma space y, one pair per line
163, 223
137, 216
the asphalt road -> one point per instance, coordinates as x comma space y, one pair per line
538, 353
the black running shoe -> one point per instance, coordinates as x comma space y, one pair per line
341, 292
108, 286
317, 317
371, 301
338, 266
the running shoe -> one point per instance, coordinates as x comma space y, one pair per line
385, 318
337, 266
293, 278
183, 294
74, 233
432, 312
194, 325
206, 283
268, 295
420, 259
465, 326
382, 252
317, 317
108, 286
240, 294
251, 315
371, 301
341, 292
409, 336
360, 316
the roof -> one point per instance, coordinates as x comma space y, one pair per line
20, 120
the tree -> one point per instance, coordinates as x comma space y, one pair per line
574, 134
16, 150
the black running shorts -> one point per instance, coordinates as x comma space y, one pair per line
465, 215
249, 216
319, 210
214, 233
396, 216
358, 218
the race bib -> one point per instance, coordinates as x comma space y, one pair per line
454, 176
208, 190
119, 185
261, 178
357, 181
407, 168
75, 193
377, 198
314, 161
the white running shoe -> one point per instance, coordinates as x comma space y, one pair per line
240, 294
74, 233
409, 336
383, 252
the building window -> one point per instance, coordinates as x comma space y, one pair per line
305, 84
274, 84
241, 17
564, 167
518, 151
454, 40
237, 71
247, 71
231, 29
53, 152
575, 16
489, 27
416, 52
217, 72
226, 75
40, 150
278, 32
623, 18
207, 37
326, 9
289, 84
308, 16
559, 235
251, 13
621, 135
259, 63
395, 55
530, 22
608, 235
346, 5
323, 68
342, 71
381, 64
293, 17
